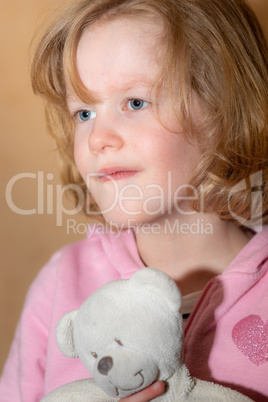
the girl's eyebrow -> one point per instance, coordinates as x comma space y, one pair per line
133, 83
93, 98
84, 97
122, 87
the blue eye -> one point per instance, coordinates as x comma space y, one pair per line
85, 115
136, 104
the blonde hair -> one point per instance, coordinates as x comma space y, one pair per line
213, 48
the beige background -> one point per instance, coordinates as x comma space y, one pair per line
28, 241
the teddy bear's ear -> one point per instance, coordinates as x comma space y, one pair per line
65, 334
161, 283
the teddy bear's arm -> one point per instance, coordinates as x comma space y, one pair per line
79, 391
208, 391
183, 387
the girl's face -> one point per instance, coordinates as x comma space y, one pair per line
135, 168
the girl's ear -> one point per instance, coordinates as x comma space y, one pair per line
157, 281
65, 334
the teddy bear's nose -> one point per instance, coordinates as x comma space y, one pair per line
105, 365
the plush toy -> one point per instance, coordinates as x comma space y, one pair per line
128, 334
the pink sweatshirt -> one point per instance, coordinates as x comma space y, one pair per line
226, 339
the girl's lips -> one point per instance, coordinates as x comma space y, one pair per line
115, 173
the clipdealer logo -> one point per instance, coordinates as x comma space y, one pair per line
50, 198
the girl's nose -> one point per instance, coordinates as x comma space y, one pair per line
103, 138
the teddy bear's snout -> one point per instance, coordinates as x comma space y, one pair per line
105, 365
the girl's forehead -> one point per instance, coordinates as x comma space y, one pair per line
119, 53
121, 34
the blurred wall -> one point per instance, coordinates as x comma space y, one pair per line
27, 241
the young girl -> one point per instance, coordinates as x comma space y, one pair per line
159, 108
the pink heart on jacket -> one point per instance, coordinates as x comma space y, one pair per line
251, 337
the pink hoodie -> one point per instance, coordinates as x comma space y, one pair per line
226, 337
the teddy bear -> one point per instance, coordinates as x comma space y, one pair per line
128, 334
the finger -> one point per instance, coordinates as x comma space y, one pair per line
147, 394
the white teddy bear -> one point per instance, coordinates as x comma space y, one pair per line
128, 334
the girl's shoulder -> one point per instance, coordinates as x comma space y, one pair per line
102, 256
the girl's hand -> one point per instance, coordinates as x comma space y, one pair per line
147, 394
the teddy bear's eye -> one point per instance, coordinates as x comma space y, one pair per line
94, 355
119, 342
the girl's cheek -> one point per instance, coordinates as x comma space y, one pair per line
79, 156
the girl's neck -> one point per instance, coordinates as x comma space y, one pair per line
193, 251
